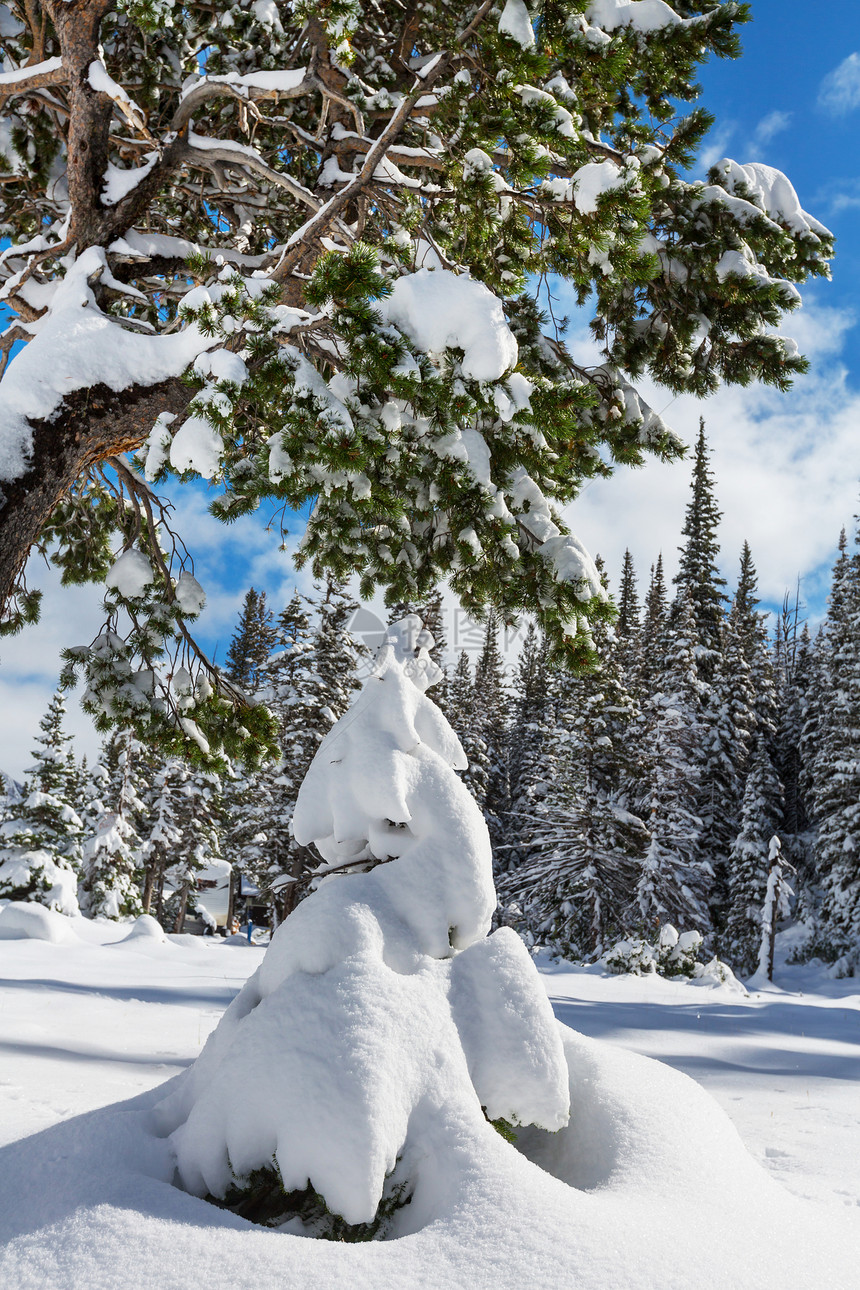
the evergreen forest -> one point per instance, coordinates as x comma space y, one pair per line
710, 750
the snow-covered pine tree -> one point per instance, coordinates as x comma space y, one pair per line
532, 718
628, 622
491, 716
776, 905
836, 768
698, 576
748, 625
197, 818
256, 816
792, 670
461, 714
739, 705
650, 640
750, 862
164, 837
578, 880
675, 883
252, 642
357, 325
41, 832
112, 867
386, 1035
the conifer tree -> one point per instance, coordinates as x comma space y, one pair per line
577, 882
792, 673
749, 862
650, 641
165, 835
358, 328
185, 837
698, 576
461, 714
112, 865
491, 721
252, 642
532, 719
628, 622
40, 837
674, 882
836, 767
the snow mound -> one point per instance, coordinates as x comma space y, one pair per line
145, 928
21, 920
649, 1186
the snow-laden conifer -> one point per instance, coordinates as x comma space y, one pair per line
461, 715
698, 578
749, 862
384, 1030
533, 715
836, 767
491, 719
111, 870
41, 832
577, 881
331, 225
674, 883
252, 642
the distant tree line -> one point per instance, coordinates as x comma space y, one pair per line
646, 791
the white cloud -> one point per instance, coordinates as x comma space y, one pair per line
786, 471
715, 149
768, 127
840, 89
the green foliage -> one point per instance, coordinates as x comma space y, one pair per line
261, 1198
566, 160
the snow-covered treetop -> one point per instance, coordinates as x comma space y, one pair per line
294, 254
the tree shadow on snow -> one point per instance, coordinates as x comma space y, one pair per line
760, 1038
179, 994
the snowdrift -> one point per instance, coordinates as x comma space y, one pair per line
382, 1033
653, 1188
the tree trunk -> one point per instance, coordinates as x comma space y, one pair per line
183, 905
94, 424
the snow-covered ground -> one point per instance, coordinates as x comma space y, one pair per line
783, 1061
91, 1021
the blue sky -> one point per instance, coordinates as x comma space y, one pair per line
787, 466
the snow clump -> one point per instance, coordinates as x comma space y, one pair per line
383, 1022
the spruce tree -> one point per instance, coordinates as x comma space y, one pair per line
836, 767
252, 642
792, 675
491, 718
40, 835
650, 640
749, 862
112, 865
674, 883
461, 714
698, 576
185, 838
577, 882
532, 720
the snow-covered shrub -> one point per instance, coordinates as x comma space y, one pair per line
673, 954
384, 1027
